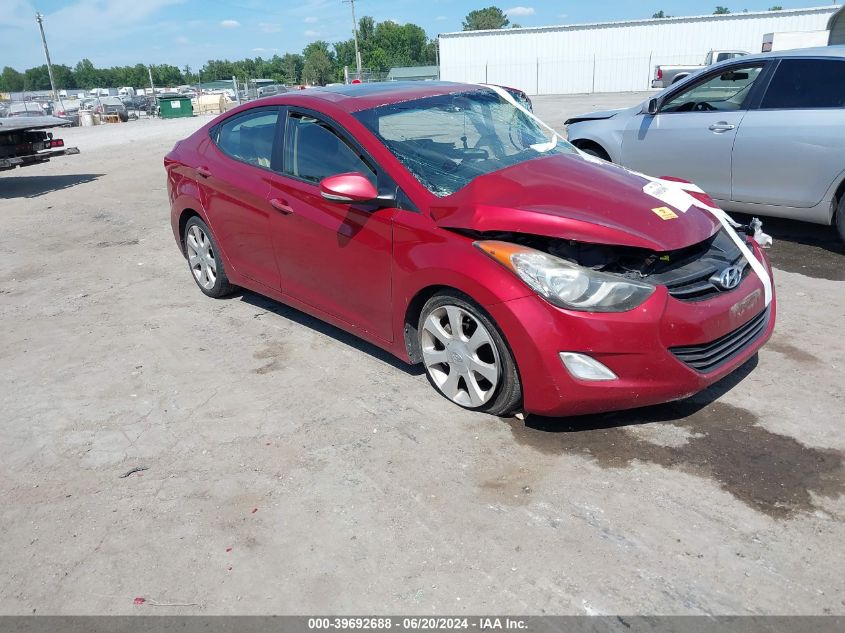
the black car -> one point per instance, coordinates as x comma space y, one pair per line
135, 102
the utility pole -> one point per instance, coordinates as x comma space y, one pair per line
355, 36
40, 19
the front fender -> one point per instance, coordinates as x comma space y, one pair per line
426, 257
604, 132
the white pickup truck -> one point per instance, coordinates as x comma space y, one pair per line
665, 75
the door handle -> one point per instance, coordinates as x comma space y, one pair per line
204, 172
281, 206
722, 126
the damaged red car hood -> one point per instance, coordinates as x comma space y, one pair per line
569, 197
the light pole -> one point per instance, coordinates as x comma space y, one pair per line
40, 19
355, 36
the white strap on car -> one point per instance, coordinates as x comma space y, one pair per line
677, 194
669, 192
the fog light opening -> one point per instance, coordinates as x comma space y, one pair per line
585, 367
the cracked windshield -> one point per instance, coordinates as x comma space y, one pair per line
448, 140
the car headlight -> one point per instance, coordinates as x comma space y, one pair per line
565, 284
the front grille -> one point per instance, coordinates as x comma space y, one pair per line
699, 285
709, 356
691, 278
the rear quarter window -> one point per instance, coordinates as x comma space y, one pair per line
249, 137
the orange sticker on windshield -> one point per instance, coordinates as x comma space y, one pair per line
664, 213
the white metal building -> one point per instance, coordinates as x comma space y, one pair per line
608, 56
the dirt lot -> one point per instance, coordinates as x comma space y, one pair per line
294, 469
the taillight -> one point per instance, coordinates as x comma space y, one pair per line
659, 72
57, 142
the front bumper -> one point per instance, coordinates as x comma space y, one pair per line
648, 348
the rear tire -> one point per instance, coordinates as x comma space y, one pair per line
839, 220
466, 357
204, 260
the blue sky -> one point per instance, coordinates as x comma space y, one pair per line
119, 32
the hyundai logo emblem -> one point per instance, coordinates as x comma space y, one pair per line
729, 278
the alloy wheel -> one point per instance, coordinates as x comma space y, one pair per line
201, 257
460, 356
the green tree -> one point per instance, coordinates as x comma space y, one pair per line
777, 7
318, 68
140, 78
345, 53
292, 64
167, 75
85, 74
37, 78
485, 19
720, 10
386, 44
64, 77
11, 80
659, 15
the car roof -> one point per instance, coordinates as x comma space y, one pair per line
836, 51
356, 97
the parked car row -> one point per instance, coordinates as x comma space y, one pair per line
762, 134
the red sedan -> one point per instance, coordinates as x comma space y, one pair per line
448, 225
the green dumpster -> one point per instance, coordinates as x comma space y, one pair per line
174, 107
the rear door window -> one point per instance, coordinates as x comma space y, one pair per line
249, 137
806, 84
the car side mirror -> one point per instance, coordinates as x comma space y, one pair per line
653, 106
351, 187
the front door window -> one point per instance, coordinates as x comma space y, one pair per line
726, 91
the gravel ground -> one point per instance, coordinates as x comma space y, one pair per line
294, 469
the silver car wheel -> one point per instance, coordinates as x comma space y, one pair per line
460, 356
201, 257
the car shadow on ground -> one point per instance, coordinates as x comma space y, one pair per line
306, 320
813, 250
34, 186
772, 473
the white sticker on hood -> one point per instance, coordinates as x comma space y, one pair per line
674, 196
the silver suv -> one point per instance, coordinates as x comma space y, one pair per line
762, 134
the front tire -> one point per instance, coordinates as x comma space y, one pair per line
204, 259
466, 357
595, 150
840, 217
